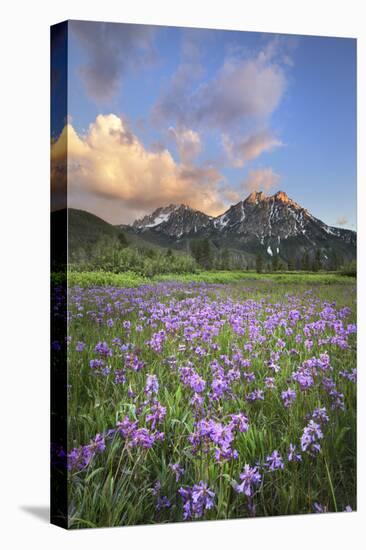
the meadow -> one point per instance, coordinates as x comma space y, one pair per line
133, 279
210, 396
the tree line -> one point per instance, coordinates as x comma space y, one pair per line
304, 263
207, 258
117, 255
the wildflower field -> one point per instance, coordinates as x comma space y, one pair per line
194, 400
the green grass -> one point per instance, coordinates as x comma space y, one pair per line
131, 279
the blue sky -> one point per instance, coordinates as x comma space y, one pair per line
164, 114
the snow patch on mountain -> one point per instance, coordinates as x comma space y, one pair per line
159, 219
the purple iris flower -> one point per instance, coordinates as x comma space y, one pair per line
274, 461
250, 477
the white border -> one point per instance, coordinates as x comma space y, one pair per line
24, 217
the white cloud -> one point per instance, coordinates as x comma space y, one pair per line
188, 143
113, 175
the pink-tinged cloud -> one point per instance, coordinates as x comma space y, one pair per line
262, 179
243, 90
242, 151
237, 101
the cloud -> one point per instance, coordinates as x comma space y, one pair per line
260, 180
342, 220
177, 103
242, 89
237, 101
188, 143
113, 175
111, 49
243, 151
231, 195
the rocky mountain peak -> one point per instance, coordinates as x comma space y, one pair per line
282, 197
173, 220
255, 197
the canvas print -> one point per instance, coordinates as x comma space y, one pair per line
203, 277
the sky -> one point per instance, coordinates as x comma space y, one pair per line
167, 115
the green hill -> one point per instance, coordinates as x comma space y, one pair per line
88, 236
86, 232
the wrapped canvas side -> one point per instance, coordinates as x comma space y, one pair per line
58, 278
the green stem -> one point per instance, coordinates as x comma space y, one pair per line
331, 485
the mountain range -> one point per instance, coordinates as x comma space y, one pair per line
271, 226
274, 227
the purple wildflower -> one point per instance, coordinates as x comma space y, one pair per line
157, 340
96, 364
126, 427
310, 437
269, 382
337, 399
103, 349
293, 456
142, 438
197, 402
219, 387
281, 343
249, 478
256, 395
240, 422
304, 377
157, 415
319, 508
156, 488
152, 384
163, 502
132, 362
196, 500
178, 470
320, 415
274, 461
351, 376
197, 383
80, 457
119, 376
80, 346
288, 397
